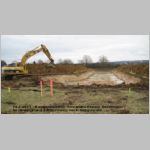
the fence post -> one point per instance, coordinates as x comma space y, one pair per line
9, 89
51, 87
41, 86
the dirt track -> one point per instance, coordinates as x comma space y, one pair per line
92, 77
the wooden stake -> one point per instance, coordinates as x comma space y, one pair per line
9, 89
51, 87
41, 87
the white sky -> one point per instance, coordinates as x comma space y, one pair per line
114, 47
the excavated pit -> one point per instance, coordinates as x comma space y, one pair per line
86, 79
92, 77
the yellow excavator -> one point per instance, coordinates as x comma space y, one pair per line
20, 68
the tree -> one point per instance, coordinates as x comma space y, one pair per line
13, 64
67, 61
80, 61
103, 60
60, 61
3, 63
86, 60
40, 61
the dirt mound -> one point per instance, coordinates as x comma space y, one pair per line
128, 79
59, 69
139, 69
17, 83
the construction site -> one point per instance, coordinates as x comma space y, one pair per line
73, 88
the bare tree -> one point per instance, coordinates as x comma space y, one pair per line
40, 61
103, 60
3, 63
13, 64
34, 62
80, 61
60, 61
67, 61
86, 59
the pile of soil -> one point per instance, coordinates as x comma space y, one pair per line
128, 79
17, 83
59, 69
140, 69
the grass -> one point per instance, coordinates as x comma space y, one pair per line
137, 100
127, 101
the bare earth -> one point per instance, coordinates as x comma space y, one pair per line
93, 77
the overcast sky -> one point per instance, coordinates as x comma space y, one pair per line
114, 47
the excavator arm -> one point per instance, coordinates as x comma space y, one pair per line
31, 53
9, 71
